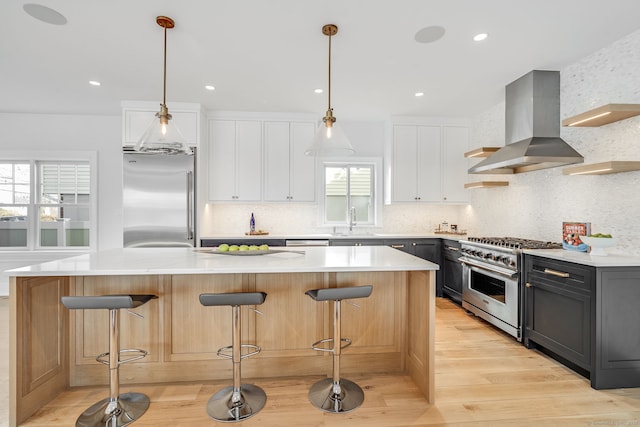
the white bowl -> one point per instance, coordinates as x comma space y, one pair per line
598, 244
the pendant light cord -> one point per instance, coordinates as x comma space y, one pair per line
329, 85
164, 86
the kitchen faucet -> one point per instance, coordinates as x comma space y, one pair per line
352, 218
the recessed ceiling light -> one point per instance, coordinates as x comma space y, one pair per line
429, 34
480, 37
94, 83
210, 87
318, 90
419, 94
44, 14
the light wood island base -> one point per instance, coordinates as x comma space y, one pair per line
484, 378
53, 349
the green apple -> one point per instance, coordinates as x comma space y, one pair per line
264, 247
244, 247
253, 248
223, 248
233, 248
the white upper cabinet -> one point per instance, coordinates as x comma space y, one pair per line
455, 142
428, 163
289, 174
137, 116
235, 160
416, 163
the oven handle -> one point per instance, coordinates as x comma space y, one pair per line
507, 273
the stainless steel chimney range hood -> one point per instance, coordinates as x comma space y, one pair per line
532, 119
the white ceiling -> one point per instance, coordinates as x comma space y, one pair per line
269, 55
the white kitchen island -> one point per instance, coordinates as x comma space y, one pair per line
53, 348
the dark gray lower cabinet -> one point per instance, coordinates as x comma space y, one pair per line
451, 270
617, 334
428, 249
558, 308
588, 316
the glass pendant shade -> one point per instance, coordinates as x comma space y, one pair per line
162, 136
330, 142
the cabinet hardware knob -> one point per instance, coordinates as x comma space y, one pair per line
556, 273
529, 285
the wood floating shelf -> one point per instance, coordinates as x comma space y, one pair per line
603, 168
486, 184
482, 152
603, 115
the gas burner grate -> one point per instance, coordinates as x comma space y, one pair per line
515, 243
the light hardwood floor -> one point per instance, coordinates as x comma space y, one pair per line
483, 378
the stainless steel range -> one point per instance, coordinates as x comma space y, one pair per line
492, 279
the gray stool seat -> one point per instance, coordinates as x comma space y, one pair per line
89, 302
337, 294
233, 299
238, 401
336, 395
118, 409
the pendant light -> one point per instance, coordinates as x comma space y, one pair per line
329, 140
162, 135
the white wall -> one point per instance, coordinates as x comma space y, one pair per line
535, 204
44, 132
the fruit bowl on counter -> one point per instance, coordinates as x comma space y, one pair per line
598, 243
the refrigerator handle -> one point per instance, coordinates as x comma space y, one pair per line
190, 206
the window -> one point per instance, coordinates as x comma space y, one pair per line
46, 204
350, 193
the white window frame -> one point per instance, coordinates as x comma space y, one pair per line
377, 195
34, 158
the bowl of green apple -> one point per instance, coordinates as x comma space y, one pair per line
598, 243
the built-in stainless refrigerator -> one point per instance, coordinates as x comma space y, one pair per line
159, 199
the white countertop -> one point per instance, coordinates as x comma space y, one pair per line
138, 261
610, 260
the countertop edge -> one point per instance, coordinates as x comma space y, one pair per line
584, 258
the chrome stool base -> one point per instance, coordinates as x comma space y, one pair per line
221, 407
323, 396
129, 407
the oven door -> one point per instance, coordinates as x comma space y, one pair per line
493, 294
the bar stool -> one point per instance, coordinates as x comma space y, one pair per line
336, 394
117, 409
238, 401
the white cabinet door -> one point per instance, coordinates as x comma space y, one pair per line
249, 160
303, 168
136, 122
289, 174
455, 142
276, 161
416, 163
405, 165
429, 157
235, 160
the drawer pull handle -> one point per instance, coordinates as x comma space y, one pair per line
555, 272
397, 246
